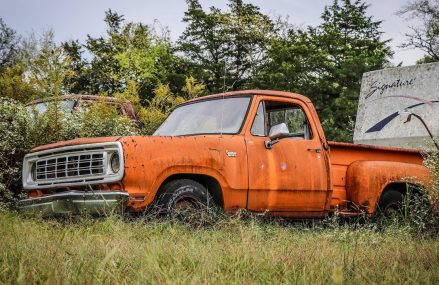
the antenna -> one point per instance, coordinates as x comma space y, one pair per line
222, 103
224, 77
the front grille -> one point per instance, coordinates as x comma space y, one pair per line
69, 166
72, 166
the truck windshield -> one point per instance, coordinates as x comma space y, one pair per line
206, 117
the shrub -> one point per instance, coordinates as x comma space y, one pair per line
155, 110
432, 163
158, 109
14, 143
101, 120
22, 130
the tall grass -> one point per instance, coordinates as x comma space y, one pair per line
232, 251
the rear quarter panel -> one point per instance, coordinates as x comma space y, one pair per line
361, 172
366, 180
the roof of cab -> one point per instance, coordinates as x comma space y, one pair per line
255, 92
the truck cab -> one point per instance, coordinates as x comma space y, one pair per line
264, 151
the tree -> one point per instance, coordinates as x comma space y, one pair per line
40, 69
192, 89
129, 52
79, 81
47, 65
9, 46
327, 62
291, 62
425, 37
351, 43
224, 48
13, 84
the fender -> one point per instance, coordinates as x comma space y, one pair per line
238, 195
195, 170
366, 180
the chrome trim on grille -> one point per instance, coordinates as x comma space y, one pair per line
72, 166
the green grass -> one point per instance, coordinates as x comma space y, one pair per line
113, 251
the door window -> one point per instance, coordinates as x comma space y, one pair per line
273, 113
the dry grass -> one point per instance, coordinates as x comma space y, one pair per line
233, 251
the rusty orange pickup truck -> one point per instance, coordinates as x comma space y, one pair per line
264, 151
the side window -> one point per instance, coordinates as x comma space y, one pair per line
292, 116
258, 127
118, 108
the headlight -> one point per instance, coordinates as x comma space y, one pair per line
115, 162
33, 172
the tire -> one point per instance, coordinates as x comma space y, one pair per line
391, 203
183, 197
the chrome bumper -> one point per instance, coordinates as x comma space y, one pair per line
75, 202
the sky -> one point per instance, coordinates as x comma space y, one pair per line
75, 19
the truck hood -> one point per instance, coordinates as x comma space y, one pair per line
158, 141
78, 141
159, 146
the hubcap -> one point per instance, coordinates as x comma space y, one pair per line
392, 210
184, 204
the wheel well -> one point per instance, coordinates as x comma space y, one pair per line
211, 184
405, 187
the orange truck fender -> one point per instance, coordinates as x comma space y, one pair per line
367, 180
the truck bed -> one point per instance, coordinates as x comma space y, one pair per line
343, 154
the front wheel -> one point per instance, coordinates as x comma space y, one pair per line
184, 198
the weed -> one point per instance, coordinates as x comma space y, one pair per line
232, 251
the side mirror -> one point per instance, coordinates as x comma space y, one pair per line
277, 132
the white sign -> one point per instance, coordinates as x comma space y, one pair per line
399, 106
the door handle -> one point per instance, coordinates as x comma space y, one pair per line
318, 150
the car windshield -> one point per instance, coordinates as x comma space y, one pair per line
215, 116
41, 108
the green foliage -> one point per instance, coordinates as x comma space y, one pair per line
326, 63
9, 46
47, 65
14, 143
129, 52
224, 48
79, 79
431, 161
13, 84
151, 114
192, 89
158, 108
98, 120
23, 129
102, 120
40, 70
351, 45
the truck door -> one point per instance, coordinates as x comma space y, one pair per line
292, 175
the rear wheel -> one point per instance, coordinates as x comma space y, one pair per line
391, 203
